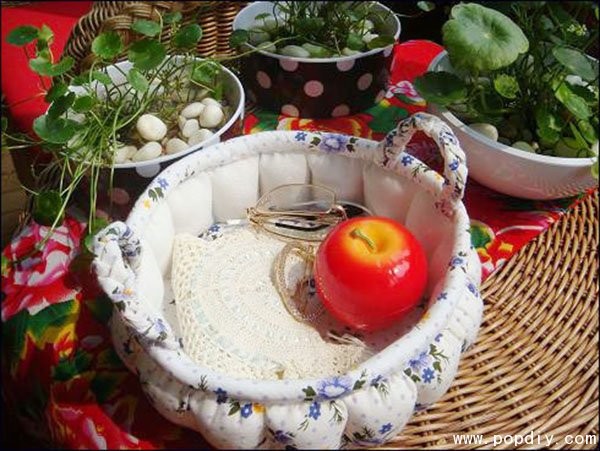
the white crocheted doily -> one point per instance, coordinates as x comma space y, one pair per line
232, 318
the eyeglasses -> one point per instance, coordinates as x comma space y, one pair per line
301, 214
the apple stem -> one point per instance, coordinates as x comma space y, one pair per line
357, 233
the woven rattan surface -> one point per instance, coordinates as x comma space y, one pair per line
534, 366
215, 18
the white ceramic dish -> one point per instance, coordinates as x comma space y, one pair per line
512, 171
365, 405
130, 179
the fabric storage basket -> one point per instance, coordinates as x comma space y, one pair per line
411, 367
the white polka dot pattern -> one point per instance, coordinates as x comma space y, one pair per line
313, 88
345, 65
263, 79
148, 171
365, 81
288, 65
290, 110
341, 110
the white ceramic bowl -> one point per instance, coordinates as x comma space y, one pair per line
512, 171
415, 366
130, 179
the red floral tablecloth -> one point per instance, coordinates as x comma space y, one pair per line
61, 376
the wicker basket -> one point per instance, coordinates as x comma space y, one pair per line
215, 18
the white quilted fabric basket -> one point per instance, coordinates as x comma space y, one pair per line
367, 404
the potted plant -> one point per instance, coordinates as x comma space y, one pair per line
521, 94
115, 126
316, 59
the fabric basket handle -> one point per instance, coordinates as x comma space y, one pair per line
118, 258
455, 169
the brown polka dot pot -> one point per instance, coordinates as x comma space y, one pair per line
314, 87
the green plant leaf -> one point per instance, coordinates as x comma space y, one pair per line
205, 73
237, 38
354, 41
575, 61
45, 34
588, 131
4, 123
83, 104
595, 166
585, 93
137, 80
172, 17
187, 36
442, 88
61, 105
573, 102
57, 90
146, 27
426, 6
47, 206
54, 130
44, 67
262, 16
107, 45
580, 142
548, 125
380, 41
101, 77
482, 39
23, 35
507, 86
147, 54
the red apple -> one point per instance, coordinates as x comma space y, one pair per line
370, 271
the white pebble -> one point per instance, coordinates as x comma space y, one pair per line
191, 126
349, 52
192, 110
295, 51
201, 135
522, 145
487, 130
211, 116
124, 153
175, 145
368, 37
148, 151
181, 122
151, 128
210, 101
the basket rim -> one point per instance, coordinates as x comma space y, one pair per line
387, 362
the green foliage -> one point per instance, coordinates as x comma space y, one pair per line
237, 38
107, 45
42, 66
23, 35
187, 36
524, 67
47, 207
146, 27
443, 88
57, 90
336, 27
146, 54
84, 125
137, 80
490, 35
507, 86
